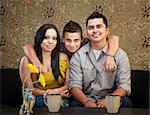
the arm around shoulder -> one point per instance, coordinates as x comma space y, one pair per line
31, 55
24, 71
113, 42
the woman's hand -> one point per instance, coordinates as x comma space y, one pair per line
48, 91
65, 93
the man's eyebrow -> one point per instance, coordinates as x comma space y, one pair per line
76, 39
90, 25
67, 38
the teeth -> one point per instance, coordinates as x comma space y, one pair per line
98, 34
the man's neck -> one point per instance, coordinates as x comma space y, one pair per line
98, 45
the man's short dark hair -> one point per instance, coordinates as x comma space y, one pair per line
96, 14
72, 27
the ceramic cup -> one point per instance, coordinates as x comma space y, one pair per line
53, 102
113, 103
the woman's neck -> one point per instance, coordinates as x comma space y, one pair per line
46, 59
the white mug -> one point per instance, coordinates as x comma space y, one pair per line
113, 103
53, 102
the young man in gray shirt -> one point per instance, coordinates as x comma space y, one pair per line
88, 82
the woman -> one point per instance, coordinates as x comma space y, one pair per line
47, 47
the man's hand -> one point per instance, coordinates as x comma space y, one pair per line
89, 103
110, 64
40, 67
101, 103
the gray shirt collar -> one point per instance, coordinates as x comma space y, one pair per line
87, 48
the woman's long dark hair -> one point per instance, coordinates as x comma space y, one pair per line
39, 37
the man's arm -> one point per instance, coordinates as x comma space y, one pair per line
76, 82
123, 81
31, 54
113, 45
120, 91
80, 96
25, 74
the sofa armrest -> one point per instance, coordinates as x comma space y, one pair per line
140, 88
10, 87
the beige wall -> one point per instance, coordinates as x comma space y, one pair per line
129, 19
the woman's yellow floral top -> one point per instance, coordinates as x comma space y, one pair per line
50, 79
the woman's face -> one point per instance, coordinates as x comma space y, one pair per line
50, 40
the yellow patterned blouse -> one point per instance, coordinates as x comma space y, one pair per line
50, 79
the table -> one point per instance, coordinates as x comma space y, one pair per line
79, 111
95, 111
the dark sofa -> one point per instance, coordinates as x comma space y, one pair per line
11, 88
140, 88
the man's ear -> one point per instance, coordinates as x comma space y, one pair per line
82, 39
62, 39
107, 32
107, 29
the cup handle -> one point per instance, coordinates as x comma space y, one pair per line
45, 100
62, 103
120, 102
